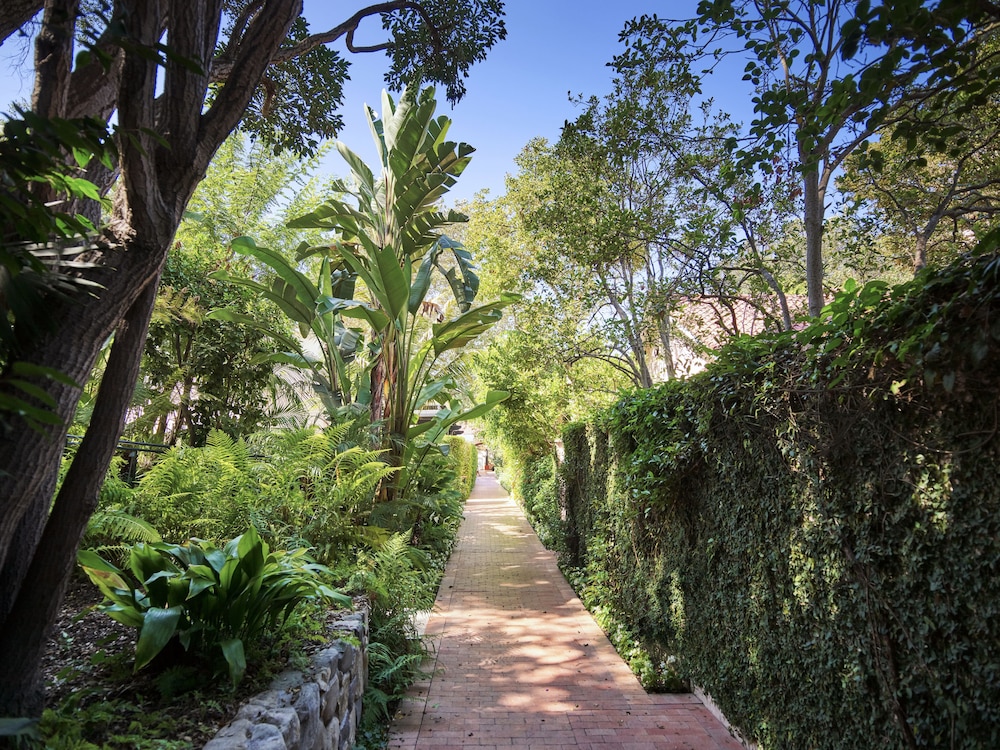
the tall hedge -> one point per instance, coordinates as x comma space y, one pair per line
466, 462
813, 524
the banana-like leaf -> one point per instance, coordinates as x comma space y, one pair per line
447, 417
352, 308
363, 175
430, 391
304, 288
232, 316
394, 283
461, 277
422, 281
456, 333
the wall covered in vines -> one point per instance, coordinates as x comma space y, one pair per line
812, 526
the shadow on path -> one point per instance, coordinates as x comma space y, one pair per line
519, 662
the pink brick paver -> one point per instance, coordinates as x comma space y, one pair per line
518, 661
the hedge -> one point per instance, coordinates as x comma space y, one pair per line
812, 525
465, 459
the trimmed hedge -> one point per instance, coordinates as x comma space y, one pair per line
812, 526
465, 459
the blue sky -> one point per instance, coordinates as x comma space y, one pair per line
521, 90
553, 47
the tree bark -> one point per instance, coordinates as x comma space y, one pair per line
15, 14
27, 627
157, 181
814, 210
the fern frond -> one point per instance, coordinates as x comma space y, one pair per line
116, 524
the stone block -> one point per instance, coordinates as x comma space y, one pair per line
348, 732
287, 721
266, 737
233, 736
309, 710
331, 704
348, 658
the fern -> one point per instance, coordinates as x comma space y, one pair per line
112, 532
117, 524
389, 676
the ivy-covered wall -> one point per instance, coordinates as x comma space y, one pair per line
812, 526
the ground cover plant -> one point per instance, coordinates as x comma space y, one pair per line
180, 675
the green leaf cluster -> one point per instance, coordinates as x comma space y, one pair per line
208, 598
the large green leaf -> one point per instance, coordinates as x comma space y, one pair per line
395, 285
422, 280
456, 333
232, 316
461, 277
362, 174
288, 303
356, 309
232, 651
305, 290
158, 627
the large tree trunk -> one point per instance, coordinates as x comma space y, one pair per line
30, 457
157, 180
16, 13
27, 626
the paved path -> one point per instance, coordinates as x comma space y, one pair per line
520, 663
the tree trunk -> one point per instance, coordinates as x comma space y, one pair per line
786, 315
16, 13
26, 629
157, 182
814, 211
663, 329
384, 409
31, 457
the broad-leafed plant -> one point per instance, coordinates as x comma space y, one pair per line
210, 599
388, 233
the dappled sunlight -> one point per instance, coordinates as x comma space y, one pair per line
519, 662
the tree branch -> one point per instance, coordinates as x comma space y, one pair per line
222, 67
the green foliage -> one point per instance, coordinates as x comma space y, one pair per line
209, 599
391, 242
537, 489
462, 33
465, 459
397, 590
208, 492
201, 373
32, 153
306, 305
41, 242
297, 488
811, 526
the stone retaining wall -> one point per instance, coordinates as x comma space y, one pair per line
319, 709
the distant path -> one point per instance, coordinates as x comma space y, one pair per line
520, 663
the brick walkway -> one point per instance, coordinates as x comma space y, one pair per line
518, 661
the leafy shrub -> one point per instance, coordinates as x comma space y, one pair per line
538, 491
813, 525
207, 598
397, 590
207, 492
297, 488
465, 458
